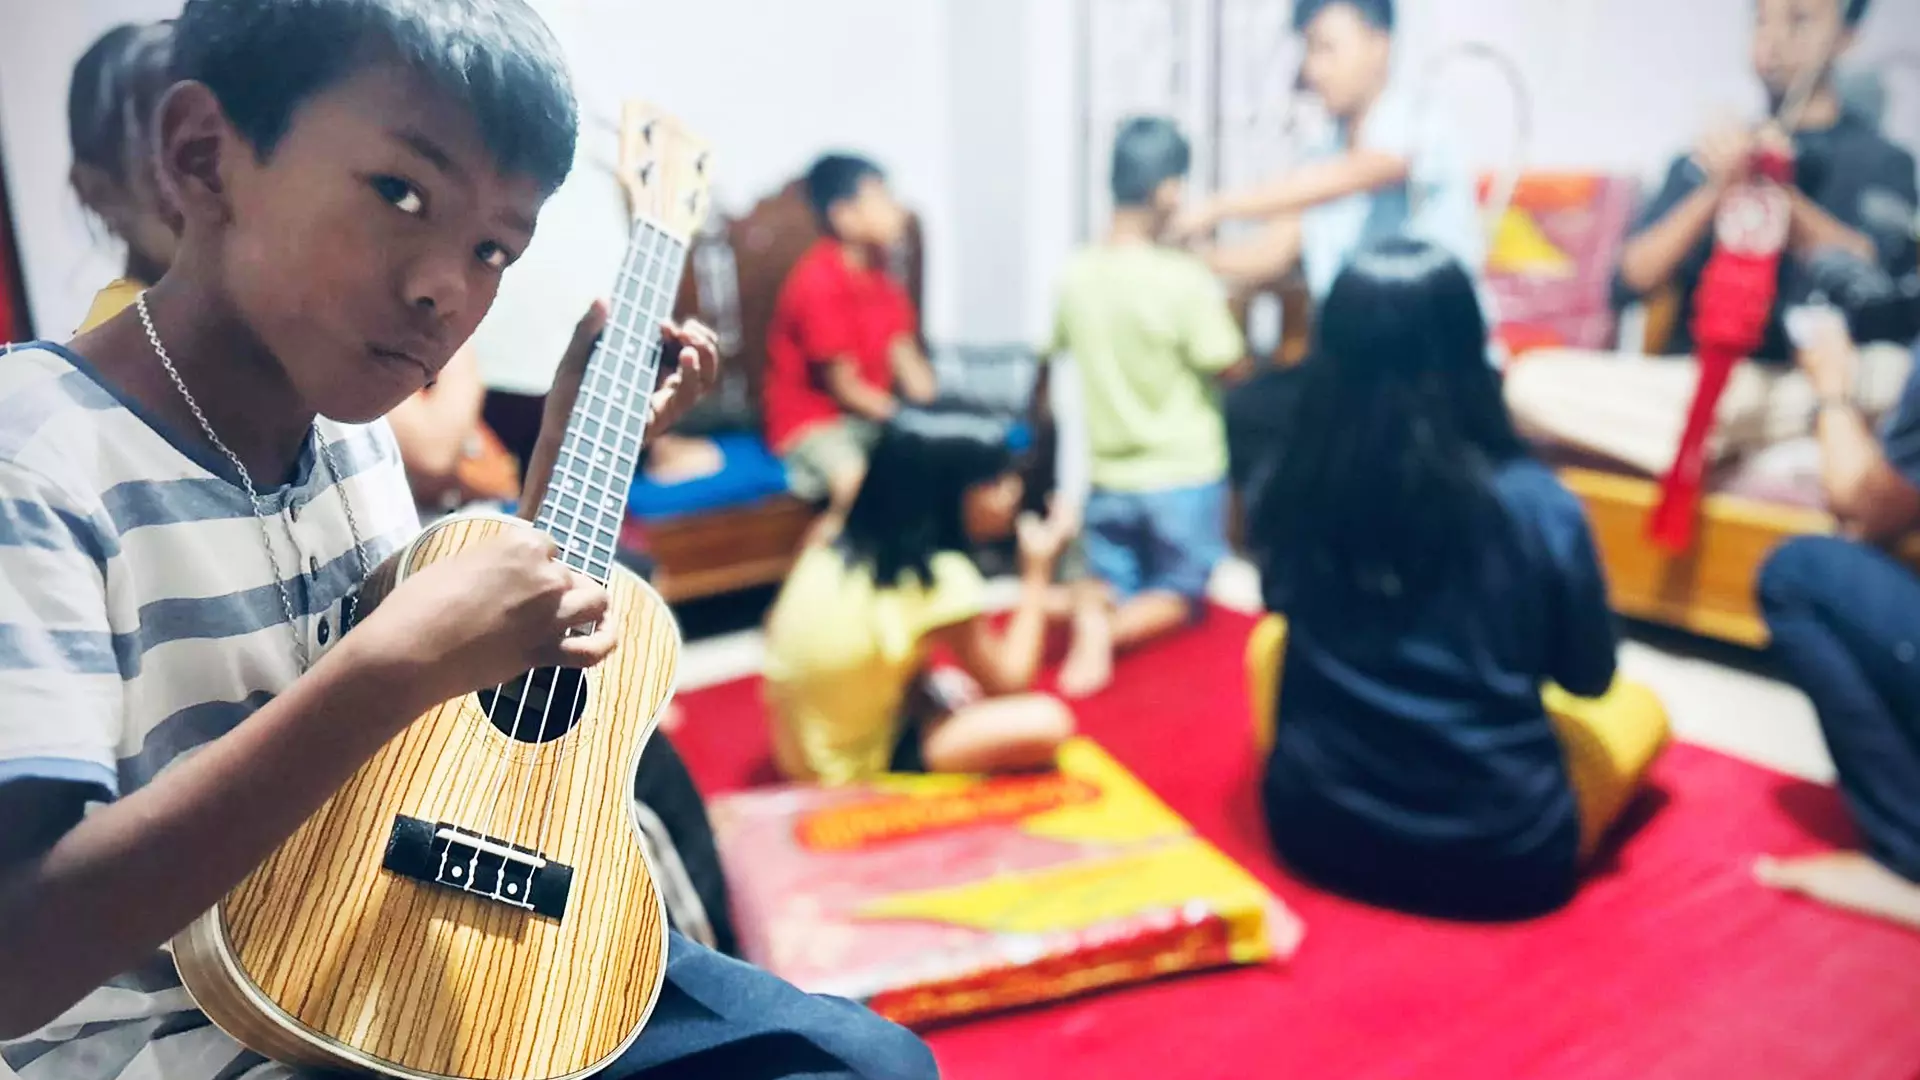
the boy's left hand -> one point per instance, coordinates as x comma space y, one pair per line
695, 373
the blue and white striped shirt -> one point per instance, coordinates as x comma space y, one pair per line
139, 620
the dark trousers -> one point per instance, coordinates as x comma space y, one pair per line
718, 1017
1845, 620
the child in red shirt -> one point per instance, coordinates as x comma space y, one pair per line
842, 349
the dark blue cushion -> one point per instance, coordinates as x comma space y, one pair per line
748, 473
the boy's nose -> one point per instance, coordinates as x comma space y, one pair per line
437, 287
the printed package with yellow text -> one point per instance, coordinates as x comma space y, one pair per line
932, 898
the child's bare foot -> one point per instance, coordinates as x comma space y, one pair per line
1848, 880
1089, 664
1086, 672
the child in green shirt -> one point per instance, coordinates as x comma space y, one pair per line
1149, 333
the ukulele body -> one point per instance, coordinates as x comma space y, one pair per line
471, 905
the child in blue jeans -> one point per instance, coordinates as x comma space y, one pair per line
1149, 332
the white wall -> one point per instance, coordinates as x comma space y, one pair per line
768, 82
1624, 84
1615, 85
973, 106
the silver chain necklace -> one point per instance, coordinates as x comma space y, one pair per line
300, 653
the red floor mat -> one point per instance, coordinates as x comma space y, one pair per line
1670, 964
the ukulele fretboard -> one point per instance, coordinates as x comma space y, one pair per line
587, 499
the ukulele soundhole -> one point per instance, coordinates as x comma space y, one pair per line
538, 707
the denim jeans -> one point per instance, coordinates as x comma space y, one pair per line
1845, 620
718, 1017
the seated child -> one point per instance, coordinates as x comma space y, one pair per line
849, 640
344, 172
841, 349
1433, 580
1383, 169
1148, 330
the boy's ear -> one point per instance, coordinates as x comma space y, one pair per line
194, 139
837, 216
1169, 194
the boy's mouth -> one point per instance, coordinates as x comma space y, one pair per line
401, 357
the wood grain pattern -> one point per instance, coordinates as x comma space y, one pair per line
1708, 591
721, 551
322, 958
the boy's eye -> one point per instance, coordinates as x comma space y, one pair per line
404, 196
493, 255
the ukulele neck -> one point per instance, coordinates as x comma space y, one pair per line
587, 498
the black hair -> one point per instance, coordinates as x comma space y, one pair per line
116, 86
264, 58
1375, 13
833, 179
1383, 484
1855, 11
1147, 152
910, 505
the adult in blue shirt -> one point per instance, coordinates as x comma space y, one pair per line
1845, 619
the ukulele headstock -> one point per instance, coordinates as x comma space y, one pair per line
664, 169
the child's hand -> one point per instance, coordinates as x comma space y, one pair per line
1041, 541
488, 615
692, 377
698, 367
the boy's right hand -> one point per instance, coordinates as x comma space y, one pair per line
490, 614
1725, 155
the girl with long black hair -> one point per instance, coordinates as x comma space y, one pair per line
1429, 580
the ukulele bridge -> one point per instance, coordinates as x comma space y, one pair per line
478, 865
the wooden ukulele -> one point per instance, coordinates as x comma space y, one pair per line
475, 904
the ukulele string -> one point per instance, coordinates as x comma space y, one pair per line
499, 770
652, 273
500, 776
641, 391
623, 330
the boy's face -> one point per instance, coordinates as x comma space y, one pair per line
872, 216
1796, 39
366, 248
1347, 59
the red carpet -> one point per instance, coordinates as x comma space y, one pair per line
1670, 964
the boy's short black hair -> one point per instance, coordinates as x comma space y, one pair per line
116, 86
1375, 13
1855, 10
1147, 152
835, 178
264, 58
